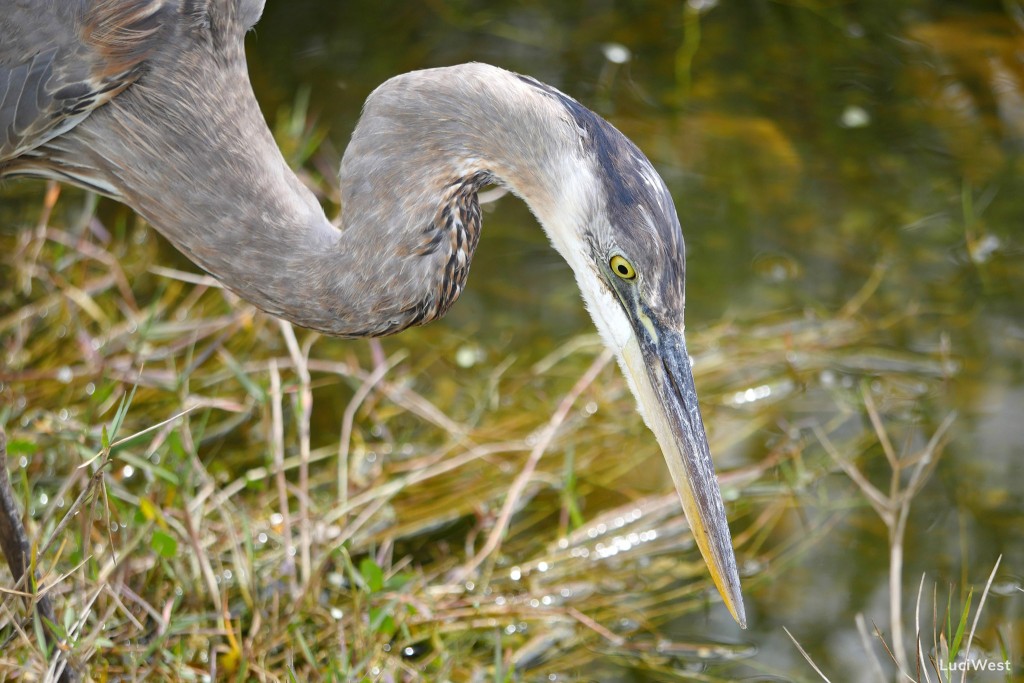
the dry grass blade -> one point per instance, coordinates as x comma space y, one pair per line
304, 412
878, 500
806, 656
277, 452
544, 440
977, 613
921, 660
880, 637
865, 641
348, 419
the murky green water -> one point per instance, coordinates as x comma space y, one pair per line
812, 147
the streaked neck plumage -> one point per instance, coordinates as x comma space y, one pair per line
426, 142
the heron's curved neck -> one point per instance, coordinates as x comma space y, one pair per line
426, 142
206, 172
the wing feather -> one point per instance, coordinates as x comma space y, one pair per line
65, 58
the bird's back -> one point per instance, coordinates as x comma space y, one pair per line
61, 59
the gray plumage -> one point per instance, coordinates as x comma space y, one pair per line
149, 102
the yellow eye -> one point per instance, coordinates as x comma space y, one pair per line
622, 267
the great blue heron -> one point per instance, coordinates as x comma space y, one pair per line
149, 102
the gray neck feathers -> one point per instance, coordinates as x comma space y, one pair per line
427, 141
194, 156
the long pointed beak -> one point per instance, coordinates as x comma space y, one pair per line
659, 366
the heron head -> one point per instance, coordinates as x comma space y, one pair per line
602, 204
623, 239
